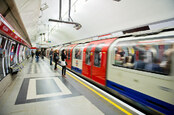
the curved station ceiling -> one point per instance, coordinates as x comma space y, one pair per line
96, 18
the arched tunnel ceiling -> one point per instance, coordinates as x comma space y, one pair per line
97, 17
29, 11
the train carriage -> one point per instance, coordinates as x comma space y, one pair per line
141, 68
138, 68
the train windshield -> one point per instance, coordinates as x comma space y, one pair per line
146, 55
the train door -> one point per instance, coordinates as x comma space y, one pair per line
3, 43
68, 60
99, 64
95, 60
69, 55
87, 61
77, 56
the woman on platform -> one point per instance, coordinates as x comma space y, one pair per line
63, 63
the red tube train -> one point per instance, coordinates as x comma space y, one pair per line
139, 68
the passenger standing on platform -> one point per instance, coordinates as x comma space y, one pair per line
51, 56
56, 58
37, 55
63, 63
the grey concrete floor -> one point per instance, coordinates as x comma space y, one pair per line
40, 90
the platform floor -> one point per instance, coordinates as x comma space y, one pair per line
40, 90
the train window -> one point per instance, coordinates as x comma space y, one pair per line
145, 55
88, 54
78, 53
98, 55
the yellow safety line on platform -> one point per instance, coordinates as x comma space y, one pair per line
108, 100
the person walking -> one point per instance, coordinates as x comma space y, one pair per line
37, 55
63, 63
51, 56
56, 59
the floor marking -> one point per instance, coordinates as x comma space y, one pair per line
105, 98
31, 94
117, 106
108, 95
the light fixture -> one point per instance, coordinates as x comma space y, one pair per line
117, 0
70, 20
77, 25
